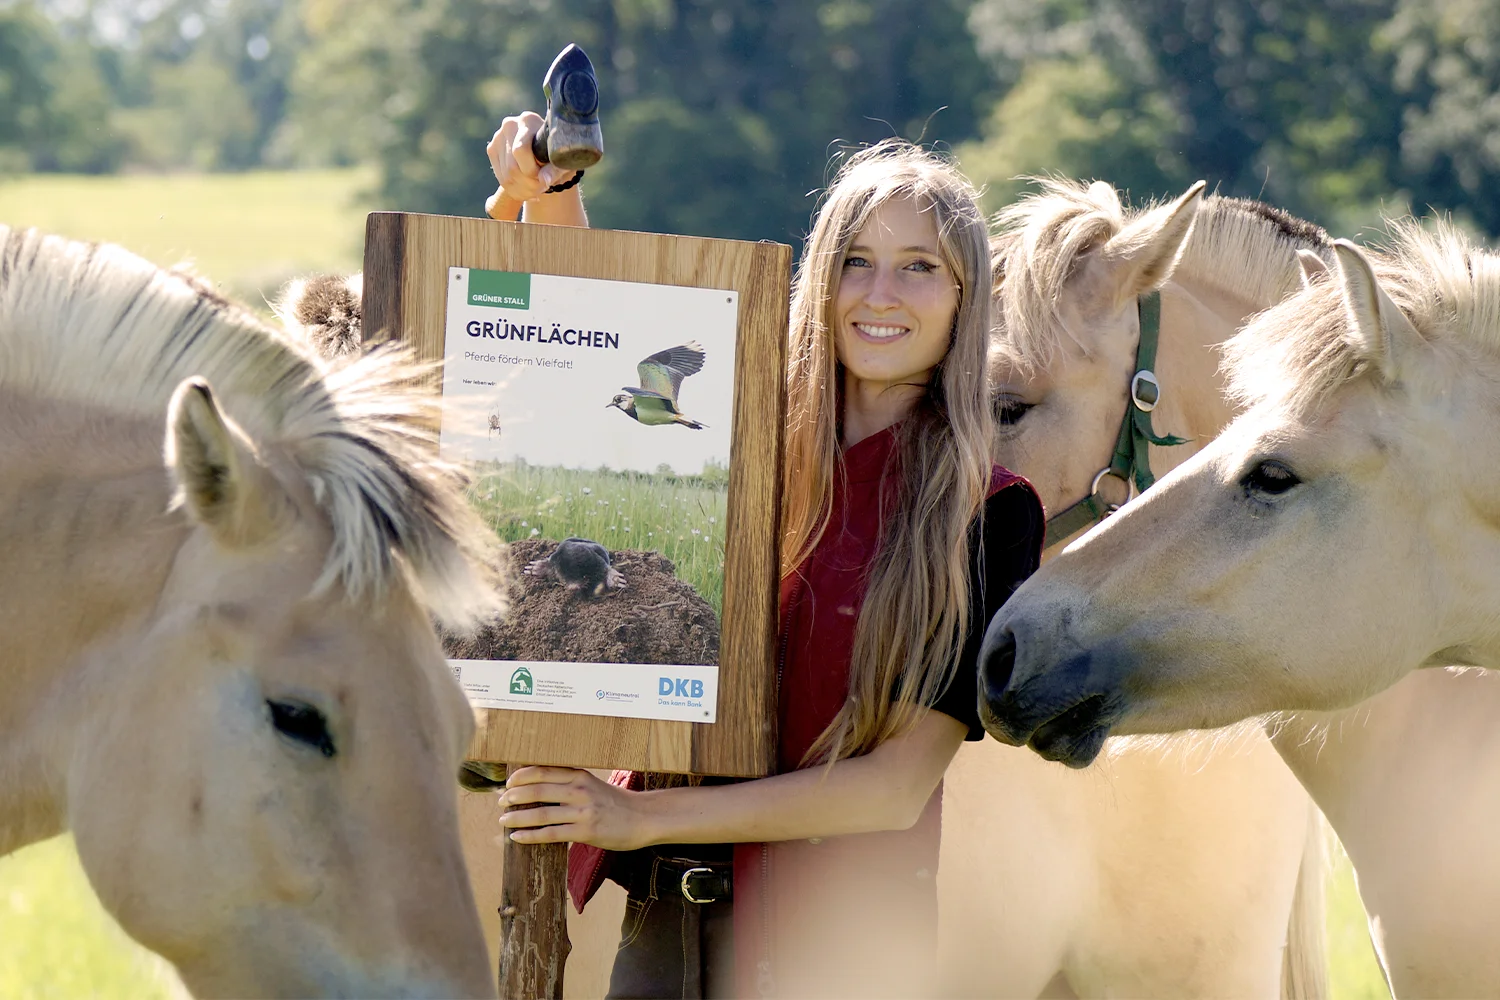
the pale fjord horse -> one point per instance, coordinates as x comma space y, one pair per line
1217, 839
1339, 535
216, 663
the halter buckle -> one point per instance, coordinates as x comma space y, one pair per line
1145, 390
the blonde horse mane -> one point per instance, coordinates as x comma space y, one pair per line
1301, 351
1240, 247
97, 325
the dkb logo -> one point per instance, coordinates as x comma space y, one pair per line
520, 681
679, 687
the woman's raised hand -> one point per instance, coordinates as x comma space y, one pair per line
522, 179
582, 809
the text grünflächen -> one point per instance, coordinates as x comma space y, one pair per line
554, 334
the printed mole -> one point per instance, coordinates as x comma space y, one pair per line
578, 564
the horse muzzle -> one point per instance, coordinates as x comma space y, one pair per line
1060, 709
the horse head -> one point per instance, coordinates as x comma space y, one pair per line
223, 674
1340, 533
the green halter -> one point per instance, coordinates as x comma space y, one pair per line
1131, 462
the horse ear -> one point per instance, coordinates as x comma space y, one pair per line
1144, 253
1378, 324
1312, 266
219, 480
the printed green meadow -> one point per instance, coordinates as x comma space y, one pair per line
682, 517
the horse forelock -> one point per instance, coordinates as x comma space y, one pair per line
1242, 247
1034, 251
1299, 352
98, 325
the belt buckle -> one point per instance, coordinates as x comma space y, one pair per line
687, 892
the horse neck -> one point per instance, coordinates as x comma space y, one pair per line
1412, 767
86, 544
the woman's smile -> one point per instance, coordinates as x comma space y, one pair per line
880, 332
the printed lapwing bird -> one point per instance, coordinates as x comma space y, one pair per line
578, 564
654, 402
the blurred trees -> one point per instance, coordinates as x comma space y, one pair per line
1279, 99
1446, 57
721, 116
54, 106
1336, 110
718, 116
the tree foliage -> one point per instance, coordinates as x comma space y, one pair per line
54, 107
725, 117
719, 117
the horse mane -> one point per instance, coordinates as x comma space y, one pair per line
1038, 240
1302, 350
97, 325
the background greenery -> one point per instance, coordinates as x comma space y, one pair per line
720, 116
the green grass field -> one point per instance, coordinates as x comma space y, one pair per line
249, 233
682, 517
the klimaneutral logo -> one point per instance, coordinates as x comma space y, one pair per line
499, 289
520, 681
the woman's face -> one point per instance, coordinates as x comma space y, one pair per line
896, 298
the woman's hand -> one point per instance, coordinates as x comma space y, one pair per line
583, 810
522, 179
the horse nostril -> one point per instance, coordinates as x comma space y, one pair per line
996, 662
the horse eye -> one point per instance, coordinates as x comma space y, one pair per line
297, 720
1269, 478
1009, 410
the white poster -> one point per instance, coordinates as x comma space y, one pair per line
597, 417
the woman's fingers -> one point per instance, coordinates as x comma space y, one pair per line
511, 159
535, 774
523, 795
547, 835
542, 816
528, 124
498, 149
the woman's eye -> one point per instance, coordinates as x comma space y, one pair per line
921, 266
856, 262
1269, 478
1009, 410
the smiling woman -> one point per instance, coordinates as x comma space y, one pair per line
900, 539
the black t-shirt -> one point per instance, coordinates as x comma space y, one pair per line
1003, 555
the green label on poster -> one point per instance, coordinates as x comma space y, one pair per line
499, 289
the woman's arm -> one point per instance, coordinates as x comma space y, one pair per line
523, 180
885, 789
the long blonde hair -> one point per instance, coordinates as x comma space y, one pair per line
912, 625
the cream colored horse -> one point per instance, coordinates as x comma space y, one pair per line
1339, 535
1159, 839
216, 667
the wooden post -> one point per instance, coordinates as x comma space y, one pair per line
534, 943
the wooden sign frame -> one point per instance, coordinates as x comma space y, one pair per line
406, 263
